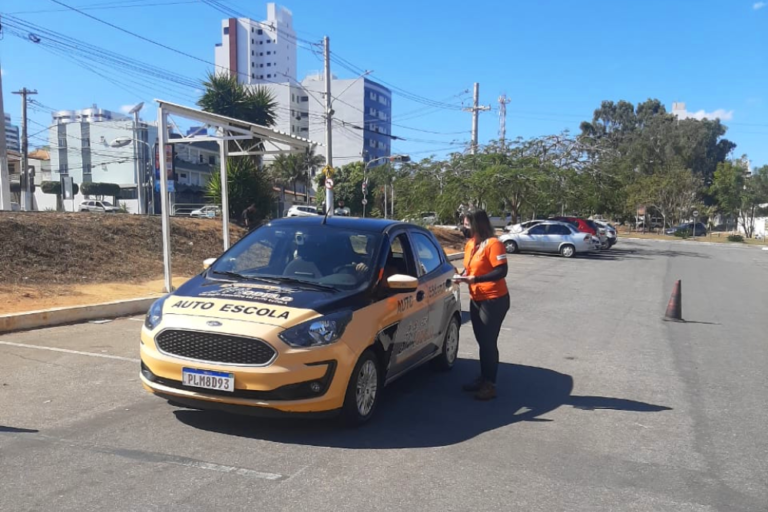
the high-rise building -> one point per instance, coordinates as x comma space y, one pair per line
362, 118
259, 52
12, 141
82, 146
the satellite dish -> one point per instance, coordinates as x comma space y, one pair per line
121, 142
136, 108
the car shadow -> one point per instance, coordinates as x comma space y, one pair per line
425, 409
14, 430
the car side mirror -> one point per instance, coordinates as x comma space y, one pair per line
207, 263
401, 283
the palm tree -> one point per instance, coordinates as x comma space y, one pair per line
225, 96
310, 163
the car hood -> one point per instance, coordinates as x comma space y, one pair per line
282, 305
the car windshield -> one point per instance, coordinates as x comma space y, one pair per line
321, 256
106, 203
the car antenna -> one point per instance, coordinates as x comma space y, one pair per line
325, 217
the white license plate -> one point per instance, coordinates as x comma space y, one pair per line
208, 379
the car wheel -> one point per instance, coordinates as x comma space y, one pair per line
511, 246
568, 251
363, 390
450, 351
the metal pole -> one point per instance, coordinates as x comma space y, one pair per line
24, 92
5, 179
474, 118
385, 200
392, 210
137, 166
328, 123
224, 187
162, 134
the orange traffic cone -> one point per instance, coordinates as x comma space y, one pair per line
675, 307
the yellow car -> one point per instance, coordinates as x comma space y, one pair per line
307, 315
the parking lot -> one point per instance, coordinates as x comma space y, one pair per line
602, 407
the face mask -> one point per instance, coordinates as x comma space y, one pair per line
467, 232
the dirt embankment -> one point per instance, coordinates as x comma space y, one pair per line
81, 248
451, 240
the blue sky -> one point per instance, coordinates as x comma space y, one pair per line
555, 59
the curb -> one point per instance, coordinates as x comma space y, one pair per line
709, 244
73, 315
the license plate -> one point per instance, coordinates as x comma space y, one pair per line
208, 379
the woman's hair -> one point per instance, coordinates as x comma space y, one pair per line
480, 224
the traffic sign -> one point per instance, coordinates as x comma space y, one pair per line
328, 171
695, 213
365, 202
329, 184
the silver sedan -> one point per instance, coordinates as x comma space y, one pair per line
555, 237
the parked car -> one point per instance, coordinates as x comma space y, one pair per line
302, 211
519, 228
500, 222
304, 317
587, 226
549, 236
206, 211
695, 229
610, 232
342, 212
98, 206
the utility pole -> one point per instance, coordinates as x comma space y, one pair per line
475, 109
503, 102
5, 178
25, 148
328, 127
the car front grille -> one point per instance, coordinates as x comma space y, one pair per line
215, 348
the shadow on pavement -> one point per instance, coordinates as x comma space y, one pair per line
426, 409
14, 430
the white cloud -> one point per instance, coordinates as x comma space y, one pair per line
722, 114
126, 108
759, 5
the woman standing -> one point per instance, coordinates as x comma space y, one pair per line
485, 270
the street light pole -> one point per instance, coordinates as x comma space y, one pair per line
137, 167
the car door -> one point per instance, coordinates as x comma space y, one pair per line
550, 241
406, 320
533, 239
437, 274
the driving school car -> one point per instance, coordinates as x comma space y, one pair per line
307, 315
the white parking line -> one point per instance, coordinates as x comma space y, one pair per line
67, 351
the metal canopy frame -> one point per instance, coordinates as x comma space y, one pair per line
264, 141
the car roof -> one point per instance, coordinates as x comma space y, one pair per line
351, 223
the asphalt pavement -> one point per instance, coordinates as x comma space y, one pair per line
602, 407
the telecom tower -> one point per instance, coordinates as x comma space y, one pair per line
503, 102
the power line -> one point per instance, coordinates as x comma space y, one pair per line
109, 7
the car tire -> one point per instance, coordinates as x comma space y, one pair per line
450, 350
511, 246
363, 390
567, 251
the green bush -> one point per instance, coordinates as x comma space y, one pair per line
683, 233
735, 238
54, 187
101, 189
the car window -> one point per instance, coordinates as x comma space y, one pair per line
400, 258
557, 229
427, 253
538, 230
326, 255
106, 203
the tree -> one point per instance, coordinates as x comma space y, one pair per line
225, 96
54, 187
674, 193
246, 185
739, 194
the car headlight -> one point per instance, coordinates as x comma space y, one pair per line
318, 332
155, 314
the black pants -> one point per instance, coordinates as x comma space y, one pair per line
487, 316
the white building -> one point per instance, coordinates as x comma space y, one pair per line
81, 147
362, 118
12, 141
259, 52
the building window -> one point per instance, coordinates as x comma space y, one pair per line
211, 160
372, 111
269, 53
304, 99
253, 53
261, 54
226, 31
260, 32
253, 42
86, 142
182, 175
371, 143
383, 100
261, 42
261, 65
62, 142
269, 76
253, 75
269, 41
269, 64
372, 95
253, 64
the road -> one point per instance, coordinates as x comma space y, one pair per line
602, 407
